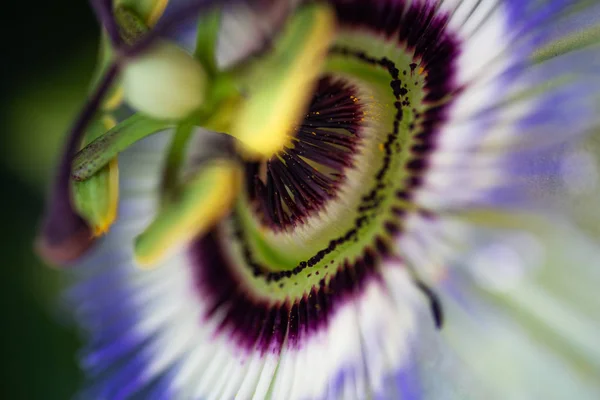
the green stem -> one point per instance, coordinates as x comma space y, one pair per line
176, 155
98, 153
206, 41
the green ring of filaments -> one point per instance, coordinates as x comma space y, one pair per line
289, 274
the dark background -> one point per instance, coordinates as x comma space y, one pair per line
48, 55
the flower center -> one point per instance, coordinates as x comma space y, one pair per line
321, 217
307, 174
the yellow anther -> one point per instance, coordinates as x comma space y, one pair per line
285, 83
193, 210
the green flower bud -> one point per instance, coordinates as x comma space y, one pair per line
97, 198
165, 82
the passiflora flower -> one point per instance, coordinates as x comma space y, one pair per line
335, 199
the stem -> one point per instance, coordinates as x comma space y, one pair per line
176, 156
103, 149
104, 13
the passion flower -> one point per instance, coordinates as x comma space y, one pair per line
367, 182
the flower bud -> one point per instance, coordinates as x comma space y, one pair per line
97, 198
164, 82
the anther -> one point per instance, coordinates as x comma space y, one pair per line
193, 210
264, 123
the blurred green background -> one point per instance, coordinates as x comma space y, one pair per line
49, 55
